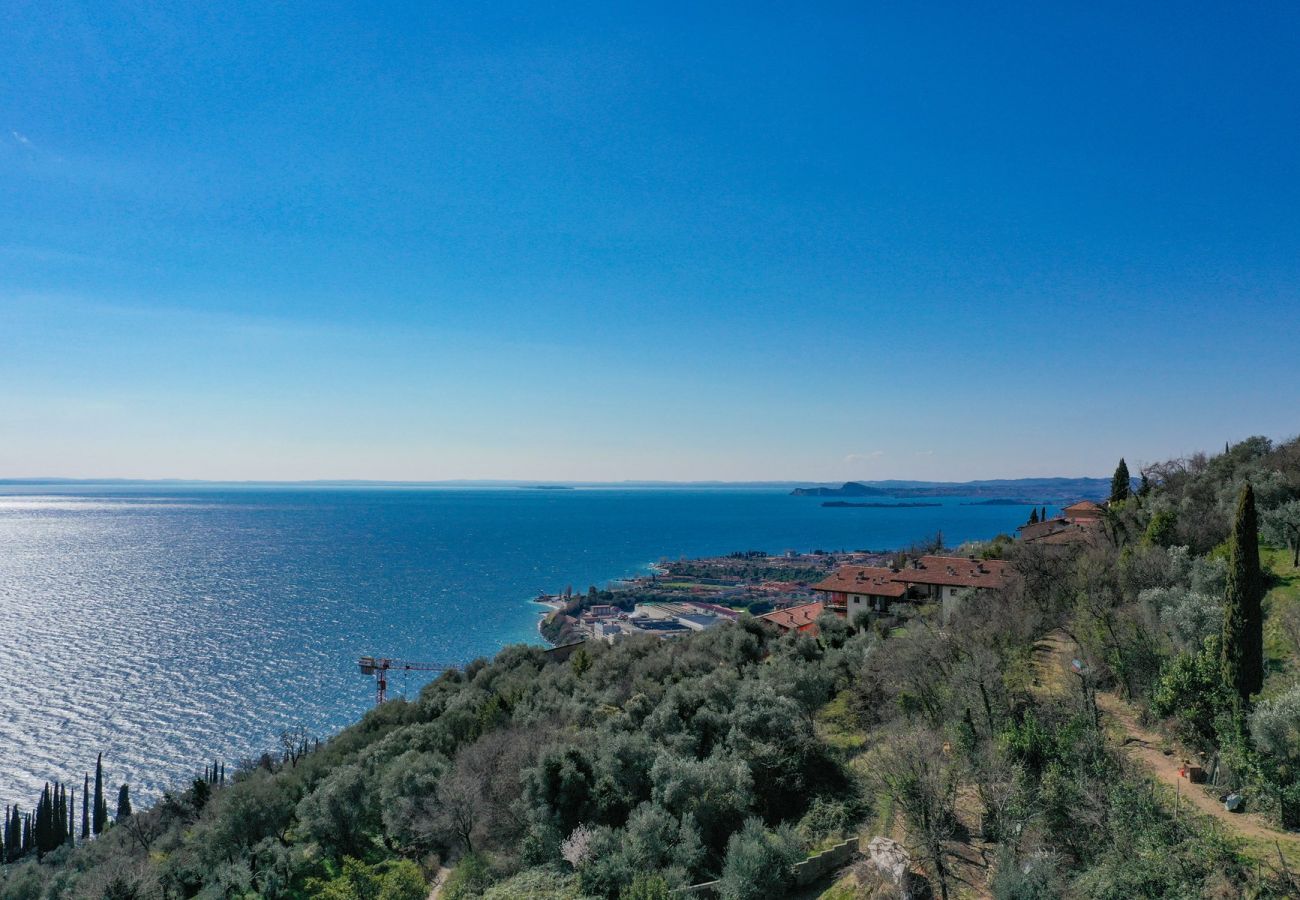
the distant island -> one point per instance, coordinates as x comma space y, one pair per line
1000, 491
845, 504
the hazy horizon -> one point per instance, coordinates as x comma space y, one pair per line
779, 482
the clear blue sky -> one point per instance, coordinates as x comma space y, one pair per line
580, 241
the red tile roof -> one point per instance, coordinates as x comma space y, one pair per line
956, 571
872, 580
1033, 530
796, 617
1084, 531
1084, 509
1062, 530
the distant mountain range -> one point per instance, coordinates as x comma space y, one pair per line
1014, 490
1019, 489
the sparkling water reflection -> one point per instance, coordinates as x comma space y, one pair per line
167, 627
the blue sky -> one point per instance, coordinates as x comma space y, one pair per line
599, 241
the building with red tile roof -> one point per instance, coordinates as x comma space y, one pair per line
795, 618
1084, 509
955, 572
1079, 523
850, 589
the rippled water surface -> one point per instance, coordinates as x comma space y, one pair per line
169, 626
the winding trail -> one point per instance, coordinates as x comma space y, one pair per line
1156, 754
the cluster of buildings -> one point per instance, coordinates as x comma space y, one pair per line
1079, 523
927, 579
934, 579
610, 623
851, 589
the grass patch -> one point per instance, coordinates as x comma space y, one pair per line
884, 824
1281, 607
844, 889
837, 726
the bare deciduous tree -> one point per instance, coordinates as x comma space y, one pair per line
922, 781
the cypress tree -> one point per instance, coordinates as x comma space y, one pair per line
85, 808
71, 822
1243, 616
42, 828
63, 830
58, 815
1033, 516
123, 802
1119, 483
99, 814
16, 835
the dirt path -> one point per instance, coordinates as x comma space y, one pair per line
439, 880
1053, 656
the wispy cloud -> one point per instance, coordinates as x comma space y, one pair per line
864, 457
21, 138
925, 453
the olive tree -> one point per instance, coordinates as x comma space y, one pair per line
759, 862
1281, 527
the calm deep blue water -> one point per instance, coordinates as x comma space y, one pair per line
168, 626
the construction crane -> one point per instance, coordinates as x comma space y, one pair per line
378, 668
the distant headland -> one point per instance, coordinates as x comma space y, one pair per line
1008, 490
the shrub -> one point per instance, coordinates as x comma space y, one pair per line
646, 887
470, 879
1191, 691
759, 862
1275, 726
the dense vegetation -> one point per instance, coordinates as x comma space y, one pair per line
628, 770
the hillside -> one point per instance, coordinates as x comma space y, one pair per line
624, 771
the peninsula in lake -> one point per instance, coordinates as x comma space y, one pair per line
1013, 489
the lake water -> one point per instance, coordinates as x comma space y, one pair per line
169, 626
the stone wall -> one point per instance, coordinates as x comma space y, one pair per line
822, 864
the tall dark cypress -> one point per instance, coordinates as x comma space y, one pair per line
85, 808
1119, 483
42, 827
123, 802
70, 823
99, 814
61, 816
1243, 615
1033, 516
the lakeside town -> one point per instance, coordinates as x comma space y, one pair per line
789, 592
